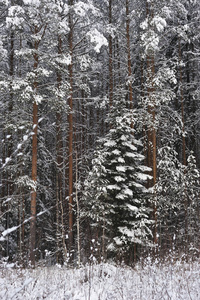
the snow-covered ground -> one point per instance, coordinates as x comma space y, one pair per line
103, 282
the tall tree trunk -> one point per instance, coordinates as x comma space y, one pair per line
9, 175
129, 55
130, 88
34, 161
182, 107
70, 136
21, 205
184, 161
110, 58
118, 62
151, 129
60, 230
78, 215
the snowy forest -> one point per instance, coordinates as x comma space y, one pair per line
99, 130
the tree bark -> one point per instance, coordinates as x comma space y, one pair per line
151, 130
184, 160
60, 230
110, 58
78, 216
182, 107
34, 161
8, 173
129, 56
70, 136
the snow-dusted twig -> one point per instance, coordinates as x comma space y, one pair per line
27, 282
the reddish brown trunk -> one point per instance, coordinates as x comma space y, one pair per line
151, 129
129, 55
152, 164
34, 164
110, 58
151, 111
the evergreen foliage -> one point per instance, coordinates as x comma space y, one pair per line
115, 190
99, 119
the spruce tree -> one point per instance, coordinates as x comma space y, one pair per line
115, 188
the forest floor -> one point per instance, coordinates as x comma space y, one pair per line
173, 280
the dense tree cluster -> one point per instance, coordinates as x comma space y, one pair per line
99, 129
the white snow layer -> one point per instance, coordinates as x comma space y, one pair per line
9, 230
113, 187
110, 143
120, 169
35, 3
160, 23
173, 280
97, 39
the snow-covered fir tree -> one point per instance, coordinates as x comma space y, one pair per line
115, 188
